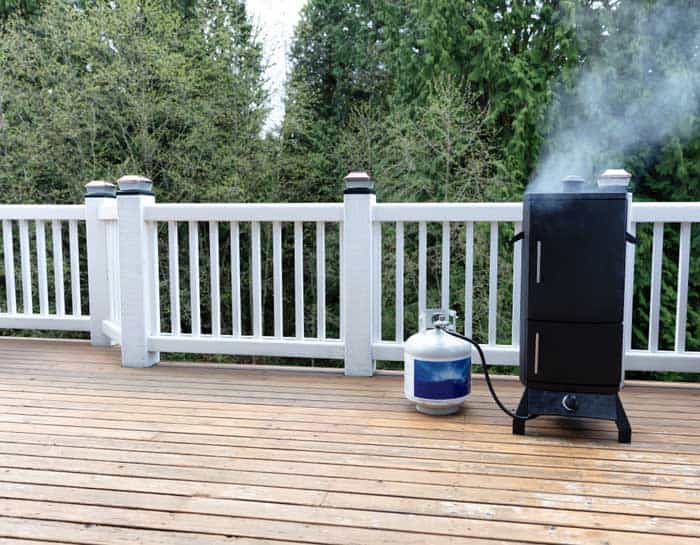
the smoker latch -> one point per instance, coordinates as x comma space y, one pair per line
629, 237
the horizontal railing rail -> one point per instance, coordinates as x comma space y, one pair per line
311, 280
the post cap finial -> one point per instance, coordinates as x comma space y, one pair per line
133, 184
100, 188
358, 183
614, 177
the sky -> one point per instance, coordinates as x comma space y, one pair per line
276, 20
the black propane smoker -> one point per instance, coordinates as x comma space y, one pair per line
572, 299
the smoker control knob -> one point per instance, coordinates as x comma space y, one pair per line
569, 403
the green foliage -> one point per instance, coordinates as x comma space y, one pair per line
96, 91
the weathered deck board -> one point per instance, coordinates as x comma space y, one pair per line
93, 453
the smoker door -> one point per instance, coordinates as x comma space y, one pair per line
583, 357
575, 265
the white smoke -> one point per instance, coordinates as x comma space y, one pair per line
613, 110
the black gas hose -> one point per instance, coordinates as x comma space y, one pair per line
486, 373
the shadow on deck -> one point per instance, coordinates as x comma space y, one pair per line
177, 454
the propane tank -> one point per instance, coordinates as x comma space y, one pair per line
437, 366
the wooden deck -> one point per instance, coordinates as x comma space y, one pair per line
92, 453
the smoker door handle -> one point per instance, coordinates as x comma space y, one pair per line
629, 237
517, 237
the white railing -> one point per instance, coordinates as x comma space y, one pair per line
25, 227
232, 337
239, 261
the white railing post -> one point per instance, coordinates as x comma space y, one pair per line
357, 274
136, 266
99, 195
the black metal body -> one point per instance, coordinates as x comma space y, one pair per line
573, 270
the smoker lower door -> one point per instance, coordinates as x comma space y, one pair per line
584, 357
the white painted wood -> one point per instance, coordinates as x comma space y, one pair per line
195, 311
495, 355
57, 248
655, 296
174, 277
291, 212
299, 280
74, 249
662, 360
9, 254
49, 322
493, 283
103, 275
249, 346
441, 212
321, 279
42, 212
154, 262
629, 292
377, 280
235, 278
682, 292
113, 273
665, 212
445, 275
422, 268
214, 287
399, 281
136, 254
469, 279
113, 330
517, 286
357, 321
341, 279
40, 232
278, 301
256, 280
26, 264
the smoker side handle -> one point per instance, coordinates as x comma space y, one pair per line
631, 238
517, 237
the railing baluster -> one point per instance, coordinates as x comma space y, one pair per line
629, 291
341, 297
377, 279
9, 254
517, 277
214, 278
193, 230
155, 278
299, 279
657, 255
112, 231
256, 281
277, 277
40, 233
445, 276
399, 282
57, 244
174, 277
468, 278
26, 261
76, 301
321, 279
235, 279
422, 267
493, 283
682, 297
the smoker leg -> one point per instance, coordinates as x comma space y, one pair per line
624, 430
519, 425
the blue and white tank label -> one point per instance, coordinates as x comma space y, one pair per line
442, 379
